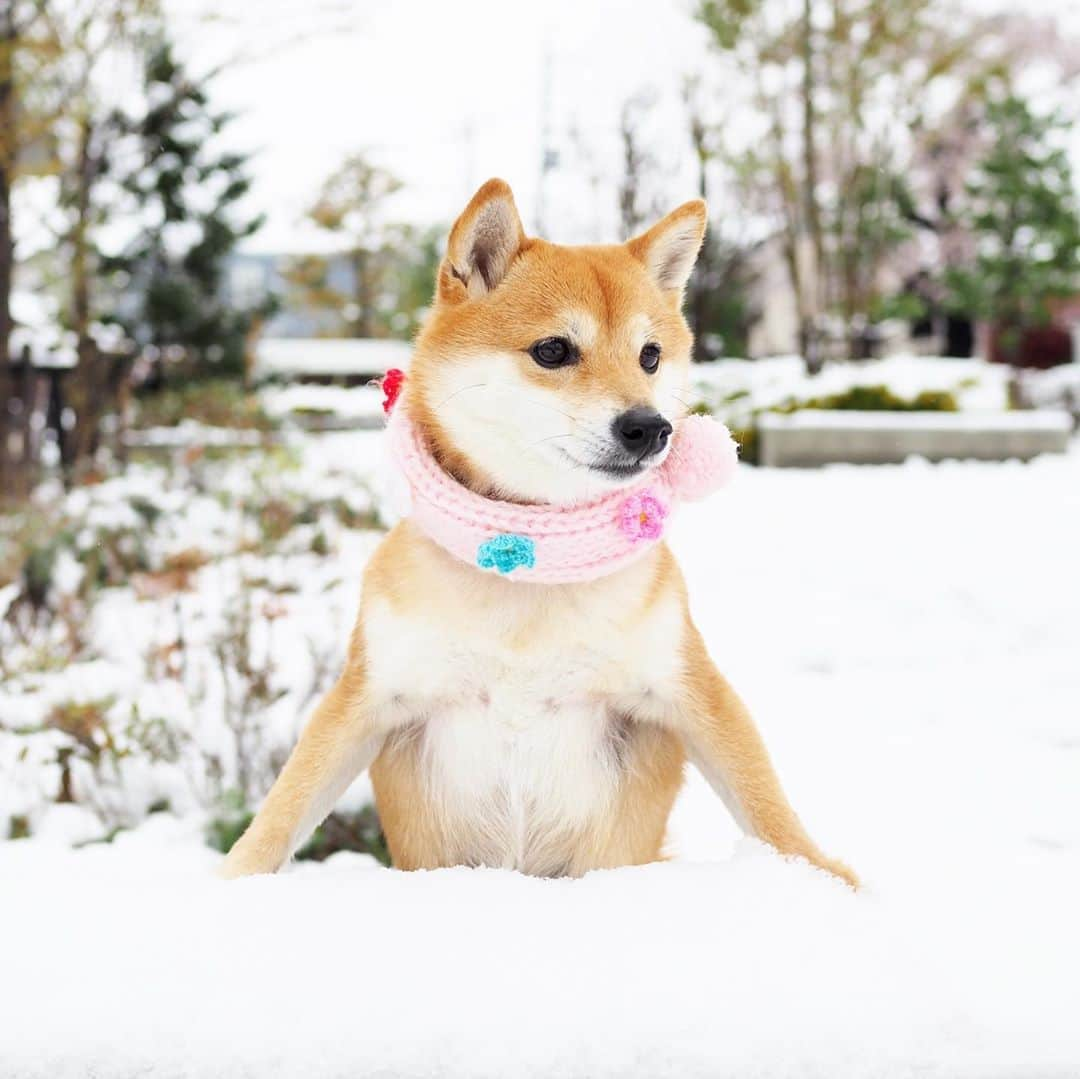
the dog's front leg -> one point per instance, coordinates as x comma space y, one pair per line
722, 740
339, 741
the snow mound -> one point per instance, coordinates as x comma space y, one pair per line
132, 960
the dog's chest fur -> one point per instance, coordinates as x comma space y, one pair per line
520, 767
516, 718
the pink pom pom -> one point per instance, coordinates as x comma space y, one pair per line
703, 457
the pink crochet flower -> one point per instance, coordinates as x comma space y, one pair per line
641, 517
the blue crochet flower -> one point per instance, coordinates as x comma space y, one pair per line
506, 552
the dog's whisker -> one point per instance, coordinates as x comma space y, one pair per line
543, 404
474, 386
596, 443
506, 389
549, 438
687, 405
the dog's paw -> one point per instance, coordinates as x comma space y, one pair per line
228, 869
838, 869
242, 862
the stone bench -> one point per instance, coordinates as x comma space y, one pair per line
817, 437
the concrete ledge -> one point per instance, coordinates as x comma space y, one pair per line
818, 437
350, 360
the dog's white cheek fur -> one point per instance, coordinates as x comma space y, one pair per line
671, 389
517, 744
519, 433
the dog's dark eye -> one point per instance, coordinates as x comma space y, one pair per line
650, 357
553, 352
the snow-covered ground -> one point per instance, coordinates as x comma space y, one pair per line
909, 639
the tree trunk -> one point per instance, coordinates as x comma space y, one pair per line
787, 193
88, 385
10, 478
811, 323
699, 300
365, 292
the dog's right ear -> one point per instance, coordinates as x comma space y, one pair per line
483, 243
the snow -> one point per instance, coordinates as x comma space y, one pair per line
360, 404
295, 357
908, 638
1055, 387
747, 968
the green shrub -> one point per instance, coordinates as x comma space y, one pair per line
229, 823
359, 831
148, 510
37, 572
351, 518
276, 518
735, 395
115, 554
934, 401
854, 399
86, 723
878, 399
216, 402
747, 439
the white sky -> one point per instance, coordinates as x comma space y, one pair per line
446, 94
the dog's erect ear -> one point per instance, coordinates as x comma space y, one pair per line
482, 245
670, 248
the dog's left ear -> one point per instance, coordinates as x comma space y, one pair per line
482, 245
670, 248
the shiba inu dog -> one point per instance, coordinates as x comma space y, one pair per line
533, 707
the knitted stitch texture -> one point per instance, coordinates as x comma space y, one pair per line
571, 543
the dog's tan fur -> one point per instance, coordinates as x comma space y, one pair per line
538, 727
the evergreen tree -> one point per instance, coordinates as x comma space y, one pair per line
722, 305
188, 194
1023, 214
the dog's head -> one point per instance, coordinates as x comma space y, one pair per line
549, 373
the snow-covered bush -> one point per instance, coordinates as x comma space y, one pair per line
164, 633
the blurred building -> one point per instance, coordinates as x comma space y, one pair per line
252, 278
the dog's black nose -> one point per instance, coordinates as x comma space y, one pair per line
641, 431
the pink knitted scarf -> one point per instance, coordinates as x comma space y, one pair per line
547, 544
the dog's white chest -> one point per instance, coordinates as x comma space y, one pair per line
517, 718
524, 766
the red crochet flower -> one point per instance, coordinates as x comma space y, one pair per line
391, 385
